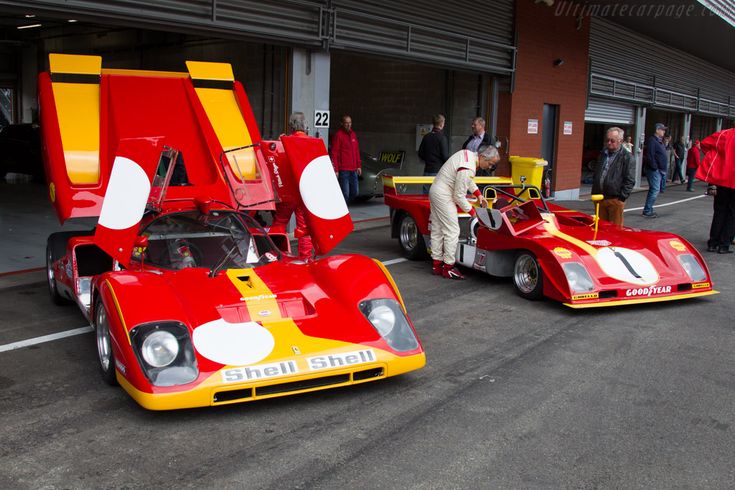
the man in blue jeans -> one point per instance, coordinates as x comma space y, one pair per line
345, 154
656, 168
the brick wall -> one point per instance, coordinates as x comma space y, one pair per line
543, 38
388, 98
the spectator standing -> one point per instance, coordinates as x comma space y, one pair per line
656, 168
694, 156
345, 154
614, 177
448, 192
478, 137
434, 149
628, 144
284, 209
669, 157
722, 229
680, 149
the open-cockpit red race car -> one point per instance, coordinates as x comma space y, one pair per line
551, 251
193, 300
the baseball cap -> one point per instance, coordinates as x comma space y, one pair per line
660, 126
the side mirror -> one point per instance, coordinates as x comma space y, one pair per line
204, 205
141, 241
597, 197
490, 218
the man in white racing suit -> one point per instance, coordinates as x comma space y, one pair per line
449, 191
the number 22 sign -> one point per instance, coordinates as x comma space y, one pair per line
321, 119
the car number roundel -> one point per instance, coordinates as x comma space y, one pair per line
128, 189
326, 212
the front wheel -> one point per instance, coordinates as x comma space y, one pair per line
104, 343
528, 276
410, 238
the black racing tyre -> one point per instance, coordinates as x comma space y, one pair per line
410, 238
528, 278
53, 288
104, 343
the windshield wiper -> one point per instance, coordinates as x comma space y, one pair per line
218, 266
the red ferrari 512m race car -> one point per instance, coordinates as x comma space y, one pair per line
195, 303
552, 251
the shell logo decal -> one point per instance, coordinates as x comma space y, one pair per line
678, 246
563, 253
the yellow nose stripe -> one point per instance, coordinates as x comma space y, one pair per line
257, 296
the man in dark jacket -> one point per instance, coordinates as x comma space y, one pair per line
434, 150
478, 137
614, 177
657, 163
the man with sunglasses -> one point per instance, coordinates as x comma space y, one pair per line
614, 176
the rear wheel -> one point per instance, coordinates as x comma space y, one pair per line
104, 343
528, 276
410, 238
53, 288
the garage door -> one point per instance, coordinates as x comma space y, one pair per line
604, 111
436, 32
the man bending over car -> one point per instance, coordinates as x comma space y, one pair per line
449, 191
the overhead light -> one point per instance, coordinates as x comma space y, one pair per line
72, 20
29, 16
29, 26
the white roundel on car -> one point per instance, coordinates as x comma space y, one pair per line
126, 195
320, 191
626, 265
233, 344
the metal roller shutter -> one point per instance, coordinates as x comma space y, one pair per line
611, 112
287, 20
429, 31
651, 73
435, 31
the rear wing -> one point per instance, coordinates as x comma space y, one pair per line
88, 113
407, 186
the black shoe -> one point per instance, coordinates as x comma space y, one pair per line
690, 190
711, 248
724, 250
650, 215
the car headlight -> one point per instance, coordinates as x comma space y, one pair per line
383, 319
388, 319
165, 353
578, 278
160, 348
692, 268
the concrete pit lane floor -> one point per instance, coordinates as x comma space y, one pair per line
516, 394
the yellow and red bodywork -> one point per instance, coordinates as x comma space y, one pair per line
307, 309
557, 236
103, 134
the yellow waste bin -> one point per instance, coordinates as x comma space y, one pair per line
530, 168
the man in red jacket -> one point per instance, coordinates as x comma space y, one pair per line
693, 158
345, 156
